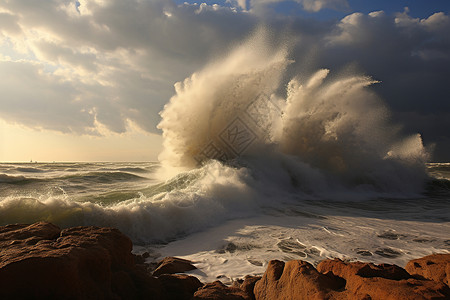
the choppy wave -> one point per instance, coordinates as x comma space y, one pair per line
207, 196
13, 179
438, 188
180, 206
89, 177
30, 170
103, 177
133, 170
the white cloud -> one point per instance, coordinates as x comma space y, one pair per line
119, 58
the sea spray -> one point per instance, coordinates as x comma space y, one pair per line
338, 127
206, 103
343, 128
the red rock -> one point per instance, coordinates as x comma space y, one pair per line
434, 267
218, 291
172, 265
366, 270
335, 279
366, 280
41, 261
179, 286
297, 280
247, 285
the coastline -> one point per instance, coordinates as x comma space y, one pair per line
42, 261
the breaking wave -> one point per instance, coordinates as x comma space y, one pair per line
322, 133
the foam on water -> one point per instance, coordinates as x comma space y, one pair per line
189, 202
244, 247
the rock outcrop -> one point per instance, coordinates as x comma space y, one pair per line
179, 286
41, 261
247, 285
336, 279
434, 267
297, 279
218, 291
172, 265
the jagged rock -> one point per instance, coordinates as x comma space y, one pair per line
42, 261
335, 279
172, 265
297, 279
179, 286
218, 291
366, 280
247, 285
434, 267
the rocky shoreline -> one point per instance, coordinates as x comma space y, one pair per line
41, 261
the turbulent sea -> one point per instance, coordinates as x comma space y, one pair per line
259, 162
231, 220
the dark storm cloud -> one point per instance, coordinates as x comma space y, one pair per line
109, 61
411, 58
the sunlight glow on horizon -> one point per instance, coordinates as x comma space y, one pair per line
22, 144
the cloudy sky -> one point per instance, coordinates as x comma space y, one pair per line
85, 80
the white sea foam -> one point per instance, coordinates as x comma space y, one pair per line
244, 247
198, 199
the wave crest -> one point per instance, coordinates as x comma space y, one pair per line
235, 108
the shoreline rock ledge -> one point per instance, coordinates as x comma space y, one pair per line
41, 261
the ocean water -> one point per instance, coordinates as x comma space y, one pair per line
260, 162
230, 219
